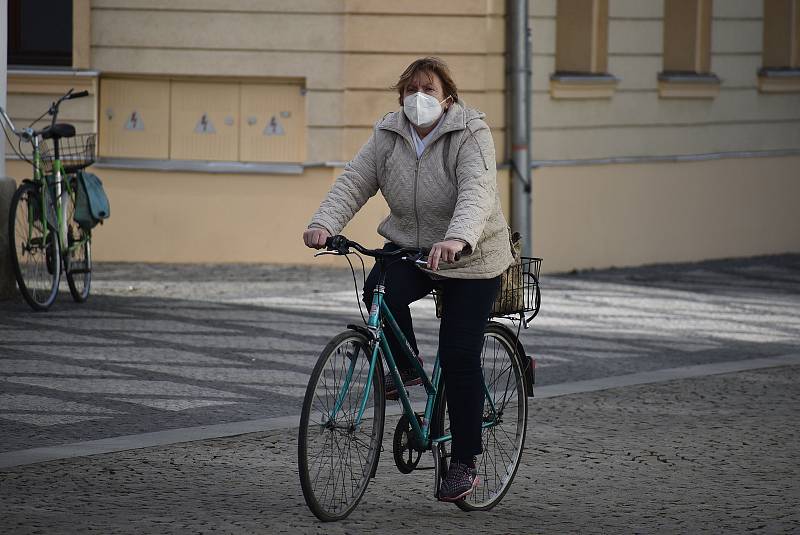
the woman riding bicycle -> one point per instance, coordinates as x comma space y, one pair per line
434, 162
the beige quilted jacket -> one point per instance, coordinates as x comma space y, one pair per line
450, 191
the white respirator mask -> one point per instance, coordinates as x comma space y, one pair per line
422, 109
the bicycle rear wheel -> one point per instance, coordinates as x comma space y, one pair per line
79, 274
336, 459
78, 258
503, 436
34, 247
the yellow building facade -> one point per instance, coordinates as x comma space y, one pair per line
661, 131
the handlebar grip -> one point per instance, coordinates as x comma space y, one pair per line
336, 243
425, 252
79, 94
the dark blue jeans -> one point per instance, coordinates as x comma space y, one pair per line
466, 304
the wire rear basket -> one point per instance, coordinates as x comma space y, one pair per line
519, 293
75, 152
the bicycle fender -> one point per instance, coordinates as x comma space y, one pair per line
361, 329
527, 362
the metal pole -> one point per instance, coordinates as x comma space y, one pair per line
7, 186
3, 69
520, 130
528, 244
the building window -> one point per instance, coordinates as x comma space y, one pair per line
687, 50
780, 59
582, 51
40, 32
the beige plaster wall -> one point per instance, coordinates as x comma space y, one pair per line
636, 121
348, 52
633, 214
185, 217
201, 217
29, 96
584, 216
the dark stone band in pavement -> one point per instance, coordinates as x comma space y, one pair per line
189, 434
165, 347
709, 454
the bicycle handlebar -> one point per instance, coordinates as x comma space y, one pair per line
341, 245
79, 94
28, 133
69, 95
9, 122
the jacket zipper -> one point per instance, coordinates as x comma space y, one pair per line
416, 172
416, 180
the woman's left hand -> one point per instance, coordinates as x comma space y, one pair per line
444, 251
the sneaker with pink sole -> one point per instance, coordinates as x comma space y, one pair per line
461, 481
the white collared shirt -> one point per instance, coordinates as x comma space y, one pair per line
421, 143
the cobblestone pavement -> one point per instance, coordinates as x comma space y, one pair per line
163, 347
716, 454
175, 346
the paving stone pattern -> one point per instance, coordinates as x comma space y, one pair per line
172, 346
710, 455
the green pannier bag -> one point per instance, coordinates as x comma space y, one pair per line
91, 203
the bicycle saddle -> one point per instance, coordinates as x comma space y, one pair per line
58, 130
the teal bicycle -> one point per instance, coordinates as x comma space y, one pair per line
341, 424
42, 231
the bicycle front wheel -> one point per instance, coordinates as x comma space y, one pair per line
34, 247
78, 258
337, 457
505, 418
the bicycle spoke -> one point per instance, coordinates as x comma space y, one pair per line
502, 438
336, 469
35, 259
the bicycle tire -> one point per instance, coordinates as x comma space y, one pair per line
77, 264
79, 274
343, 478
34, 258
497, 466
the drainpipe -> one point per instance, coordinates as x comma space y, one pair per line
3, 71
7, 185
519, 100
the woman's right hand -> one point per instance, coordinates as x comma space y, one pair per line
315, 237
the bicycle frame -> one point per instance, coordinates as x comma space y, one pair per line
39, 179
61, 187
62, 190
380, 310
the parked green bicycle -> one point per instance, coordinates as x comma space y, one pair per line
341, 424
43, 234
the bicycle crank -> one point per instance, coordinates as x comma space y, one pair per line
405, 446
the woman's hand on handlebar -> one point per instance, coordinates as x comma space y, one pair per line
444, 251
315, 237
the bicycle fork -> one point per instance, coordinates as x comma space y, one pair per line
346, 386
